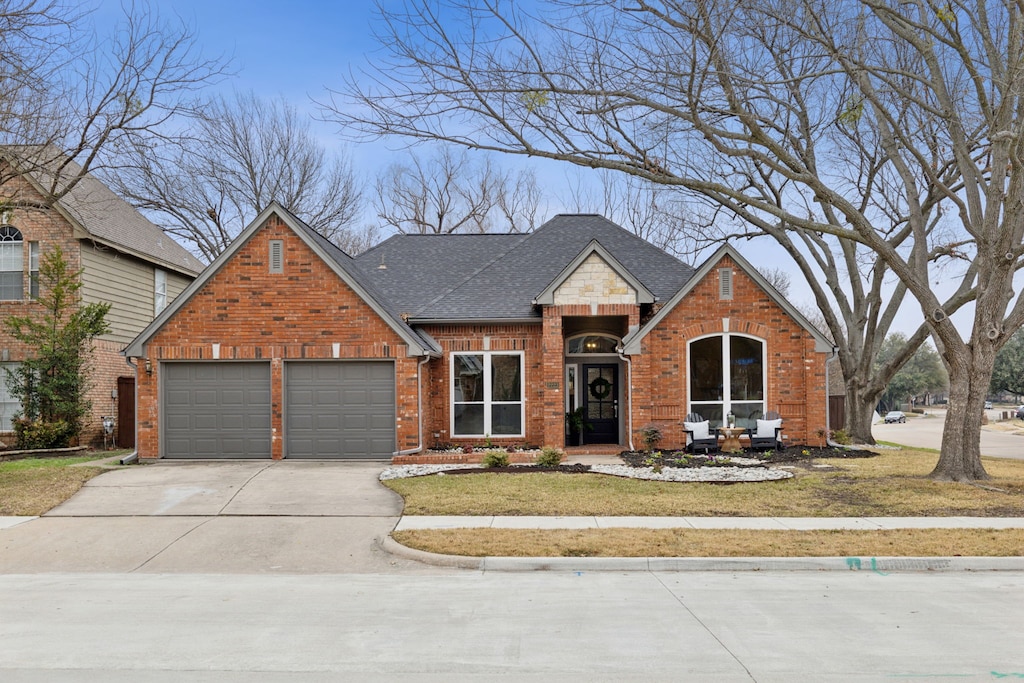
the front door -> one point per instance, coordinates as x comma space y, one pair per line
601, 403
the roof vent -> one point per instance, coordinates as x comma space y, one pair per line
725, 284
276, 256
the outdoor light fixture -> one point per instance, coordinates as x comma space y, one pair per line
149, 367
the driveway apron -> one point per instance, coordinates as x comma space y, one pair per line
213, 517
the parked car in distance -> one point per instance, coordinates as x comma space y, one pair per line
988, 405
1020, 412
895, 416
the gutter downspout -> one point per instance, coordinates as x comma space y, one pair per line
419, 407
828, 415
629, 385
134, 455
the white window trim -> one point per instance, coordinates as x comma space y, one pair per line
694, 406
487, 402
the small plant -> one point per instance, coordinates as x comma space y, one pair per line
651, 434
32, 434
655, 462
549, 457
841, 436
805, 452
495, 458
487, 441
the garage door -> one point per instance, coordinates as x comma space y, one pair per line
216, 410
339, 409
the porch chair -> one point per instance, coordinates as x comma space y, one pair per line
700, 436
768, 432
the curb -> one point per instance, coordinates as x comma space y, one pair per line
877, 565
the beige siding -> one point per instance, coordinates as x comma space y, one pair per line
127, 284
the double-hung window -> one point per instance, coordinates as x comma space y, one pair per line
159, 291
12, 264
487, 394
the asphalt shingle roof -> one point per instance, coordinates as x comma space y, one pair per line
493, 277
110, 219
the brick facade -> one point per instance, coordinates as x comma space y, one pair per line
50, 229
254, 314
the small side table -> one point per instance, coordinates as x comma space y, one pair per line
731, 442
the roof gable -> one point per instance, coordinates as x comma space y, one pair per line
498, 277
340, 262
584, 261
98, 213
632, 342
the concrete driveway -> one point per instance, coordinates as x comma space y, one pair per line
218, 517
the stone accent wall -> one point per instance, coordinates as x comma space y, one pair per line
253, 314
796, 382
594, 282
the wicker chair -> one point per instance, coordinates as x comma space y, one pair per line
699, 442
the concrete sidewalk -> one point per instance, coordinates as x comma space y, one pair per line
767, 523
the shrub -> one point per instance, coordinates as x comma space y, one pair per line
495, 458
651, 435
33, 434
841, 436
549, 457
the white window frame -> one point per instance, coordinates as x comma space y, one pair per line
12, 244
159, 290
726, 374
33, 270
488, 402
9, 406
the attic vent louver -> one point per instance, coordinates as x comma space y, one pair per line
276, 256
725, 283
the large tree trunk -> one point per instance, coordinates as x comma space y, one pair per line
960, 457
860, 412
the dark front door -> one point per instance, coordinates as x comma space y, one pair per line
601, 403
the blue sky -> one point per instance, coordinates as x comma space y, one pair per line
300, 48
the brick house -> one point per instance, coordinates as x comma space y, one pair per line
286, 347
123, 259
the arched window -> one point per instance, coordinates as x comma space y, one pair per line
12, 264
727, 375
591, 343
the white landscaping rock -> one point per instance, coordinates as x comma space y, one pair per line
681, 474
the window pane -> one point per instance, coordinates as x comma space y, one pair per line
8, 405
11, 257
747, 414
746, 369
706, 369
507, 419
469, 379
592, 343
33, 269
506, 378
11, 287
712, 412
469, 420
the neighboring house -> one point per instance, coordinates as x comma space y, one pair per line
285, 347
124, 260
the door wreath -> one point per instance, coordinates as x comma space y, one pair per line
600, 388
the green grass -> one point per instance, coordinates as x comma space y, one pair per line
893, 484
32, 486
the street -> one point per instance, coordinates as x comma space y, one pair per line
926, 432
771, 626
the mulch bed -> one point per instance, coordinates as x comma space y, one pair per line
792, 454
800, 455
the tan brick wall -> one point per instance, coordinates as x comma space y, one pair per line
254, 314
796, 383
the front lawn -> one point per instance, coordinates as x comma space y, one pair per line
33, 486
891, 485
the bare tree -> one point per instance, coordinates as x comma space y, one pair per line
244, 153
651, 211
777, 278
72, 98
447, 193
890, 127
